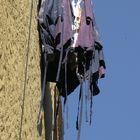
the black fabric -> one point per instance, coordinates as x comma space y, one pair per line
102, 63
94, 87
52, 67
72, 81
98, 46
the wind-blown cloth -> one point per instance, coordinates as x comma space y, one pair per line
68, 65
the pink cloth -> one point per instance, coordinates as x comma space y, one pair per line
85, 36
64, 27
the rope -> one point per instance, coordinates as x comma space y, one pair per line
26, 69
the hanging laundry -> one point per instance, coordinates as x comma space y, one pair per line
82, 54
71, 46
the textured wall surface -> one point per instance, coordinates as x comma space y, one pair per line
19, 109
14, 30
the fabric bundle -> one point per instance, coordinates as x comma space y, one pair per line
56, 18
71, 46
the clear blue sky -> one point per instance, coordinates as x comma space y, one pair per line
117, 108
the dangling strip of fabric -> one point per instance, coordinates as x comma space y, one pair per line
85, 91
65, 65
57, 111
86, 100
89, 79
91, 87
77, 121
66, 90
91, 107
80, 94
61, 51
81, 112
80, 105
39, 118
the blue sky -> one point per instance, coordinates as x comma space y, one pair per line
116, 109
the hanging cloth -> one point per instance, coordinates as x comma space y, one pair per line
70, 39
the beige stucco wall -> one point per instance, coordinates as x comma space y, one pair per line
14, 33
14, 24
